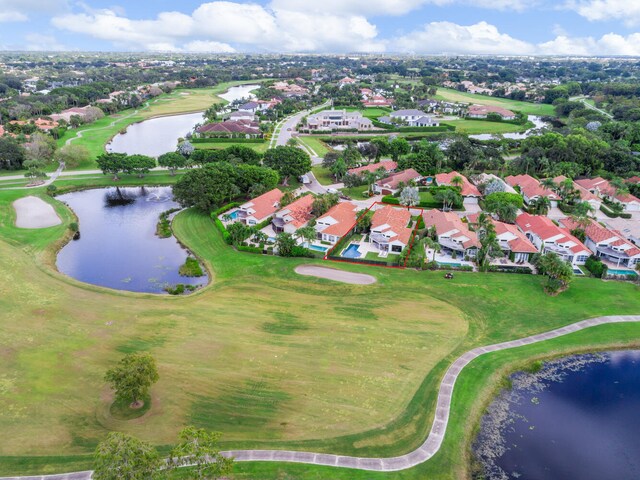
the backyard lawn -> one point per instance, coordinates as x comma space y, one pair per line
317, 145
474, 127
323, 175
258, 147
267, 357
450, 95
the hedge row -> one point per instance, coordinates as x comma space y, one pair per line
394, 201
611, 214
215, 214
443, 127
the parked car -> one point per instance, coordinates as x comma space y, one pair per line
332, 190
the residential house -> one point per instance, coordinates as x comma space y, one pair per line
454, 235
252, 107
610, 245
70, 112
469, 192
377, 101
411, 118
240, 128
390, 229
337, 222
585, 195
601, 187
294, 216
485, 178
548, 237
338, 120
346, 81
241, 115
260, 208
482, 111
391, 184
531, 189
513, 243
388, 166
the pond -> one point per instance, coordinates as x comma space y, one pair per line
576, 418
118, 247
537, 124
160, 135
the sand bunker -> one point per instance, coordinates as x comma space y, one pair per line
33, 212
337, 275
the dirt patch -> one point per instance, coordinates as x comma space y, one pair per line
337, 275
33, 212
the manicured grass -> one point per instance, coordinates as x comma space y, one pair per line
269, 358
473, 127
323, 175
529, 108
356, 193
95, 136
317, 145
368, 112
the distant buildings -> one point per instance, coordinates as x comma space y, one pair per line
601, 187
531, 189
411, 118
483, 111
391, 184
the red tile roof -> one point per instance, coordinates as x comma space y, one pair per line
530, 186
246, 127
598, 234
264, 205
468, 189
519, 244
585, 195
450, 222
345, 214
392, 181
544, 228
388, 165
483, 110
298, 212
395, 220
603, 186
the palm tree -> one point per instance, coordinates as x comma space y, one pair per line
540, 206
549, 184
619, 185
582, 214
457, 181
447, 198
433, 245
370, 178
489, 245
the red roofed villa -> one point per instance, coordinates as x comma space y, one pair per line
387, 165
482, 111
601, 187
469, 191
454, 235
294, 216
390, 230
391, 184
260, 208
531, 189
337, 222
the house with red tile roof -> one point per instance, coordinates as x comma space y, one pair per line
337, 222
585, 195
633, 180
346, 81
2, 131
610, 245
601, 187
387, 165
482, 111
454, 235
229, 128
260, 208
548, 237
391, 184
469, 191
294, 216
513, 242
390, 229
531, 189
377, 101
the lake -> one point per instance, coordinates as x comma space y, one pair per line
537, 124
577, 418
160, 135
118, 247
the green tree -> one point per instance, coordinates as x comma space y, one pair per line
322, 203
559, 273
123, 457
398, 147
199, 449
410, 196
172, 161
489, 244
12, 154
307, 233
239, 232
448, 198
132, 377
540, 206
139, 165
72, 155
112, 163
207, 188
285, 244
287, 161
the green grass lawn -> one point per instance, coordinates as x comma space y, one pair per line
315, 144
473, 127
323, 175
369, 112
95, 136
269, 358
529, 108
356, 193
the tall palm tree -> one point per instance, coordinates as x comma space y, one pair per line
433, 245
540, 206
457, 181
549, 184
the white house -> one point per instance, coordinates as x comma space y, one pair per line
338, 120
390, 231
260, 208
337, 222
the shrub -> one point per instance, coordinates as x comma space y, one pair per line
51, 189
73, 226
596, 267
191, 268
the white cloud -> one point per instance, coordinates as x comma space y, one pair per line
250, 26
11, 16
201, 46
609, 44
19, 10
598, 10
37, 42
448, 37
390, 7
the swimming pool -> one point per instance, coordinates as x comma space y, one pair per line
233, 215
577, 271
448, 264
352, 251
615, 271
317, 248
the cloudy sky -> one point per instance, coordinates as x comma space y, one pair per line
576, 27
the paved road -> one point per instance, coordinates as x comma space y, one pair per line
583, 100
435, 438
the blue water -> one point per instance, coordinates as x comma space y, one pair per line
580, 422
118, 247
317, 248
447, 264
614, 271
233, 215
352, 251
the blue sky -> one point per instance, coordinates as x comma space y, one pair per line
532, 27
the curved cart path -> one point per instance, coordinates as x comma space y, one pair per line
436, 436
